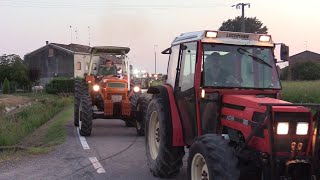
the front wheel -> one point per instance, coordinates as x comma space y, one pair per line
163, 159
85, 115
212, 158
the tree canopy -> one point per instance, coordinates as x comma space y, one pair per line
253, 25
13, 68
306, 71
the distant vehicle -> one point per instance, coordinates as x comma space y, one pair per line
222, 101
109, 93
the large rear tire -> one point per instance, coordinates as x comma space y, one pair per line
212, 158
142, 108
163, 159
85, 114
77, 97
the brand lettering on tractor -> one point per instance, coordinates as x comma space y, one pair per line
243, 36
230, 118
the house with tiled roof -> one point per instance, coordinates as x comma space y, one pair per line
304, 56
61, 60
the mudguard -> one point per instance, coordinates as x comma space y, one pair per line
166, 92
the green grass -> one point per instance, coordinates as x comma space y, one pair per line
301, 91
57, 132
15, 127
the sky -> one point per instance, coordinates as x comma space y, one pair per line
147, 26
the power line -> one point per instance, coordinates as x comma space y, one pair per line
25, 3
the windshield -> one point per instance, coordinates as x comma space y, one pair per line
239, 67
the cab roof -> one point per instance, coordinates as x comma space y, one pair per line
112, 50
224, 37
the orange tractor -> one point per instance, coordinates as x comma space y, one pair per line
104, 96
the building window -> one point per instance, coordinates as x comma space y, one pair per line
50, 52
78, 65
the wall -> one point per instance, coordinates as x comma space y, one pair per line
51, 62
84, 60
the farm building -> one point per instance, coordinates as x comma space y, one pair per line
61, 60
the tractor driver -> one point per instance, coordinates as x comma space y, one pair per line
107, 69
215, 74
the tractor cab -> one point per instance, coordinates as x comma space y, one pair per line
222, 100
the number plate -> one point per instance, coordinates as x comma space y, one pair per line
116, 98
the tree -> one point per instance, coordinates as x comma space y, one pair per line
253, 25
6, 86
305, 71
13, 68
284, 73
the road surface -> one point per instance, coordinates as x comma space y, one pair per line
113, 151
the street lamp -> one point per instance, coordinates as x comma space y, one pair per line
155, 59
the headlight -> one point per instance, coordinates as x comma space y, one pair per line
136, 89
302, 128
96, 87
282, 128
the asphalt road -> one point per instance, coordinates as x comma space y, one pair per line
115, 152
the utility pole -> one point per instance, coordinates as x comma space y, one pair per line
89, 34
71, 34
155, 59
241, 6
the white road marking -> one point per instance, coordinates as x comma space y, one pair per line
83, 141
97, 165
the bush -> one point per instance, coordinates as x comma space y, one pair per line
60, 85
306, 71
6, 86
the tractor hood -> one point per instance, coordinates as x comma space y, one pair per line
253, 101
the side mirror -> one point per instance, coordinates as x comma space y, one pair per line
166, 51
284, 52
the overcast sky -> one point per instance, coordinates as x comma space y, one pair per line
141, 24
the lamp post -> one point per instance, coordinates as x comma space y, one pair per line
155, 59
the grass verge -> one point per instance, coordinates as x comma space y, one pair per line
51, 134
17, 126
43, 140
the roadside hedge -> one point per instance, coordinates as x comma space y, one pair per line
60, 85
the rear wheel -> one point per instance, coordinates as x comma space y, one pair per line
77, 97
142, 108
85, 114
211, 157
163, 159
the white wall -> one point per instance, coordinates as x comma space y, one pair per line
84, 59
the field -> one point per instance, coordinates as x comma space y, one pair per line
301, 91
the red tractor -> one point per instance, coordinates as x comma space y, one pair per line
222, 101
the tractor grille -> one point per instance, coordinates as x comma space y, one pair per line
116, 85
282, 143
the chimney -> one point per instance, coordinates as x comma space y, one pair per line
47, 42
